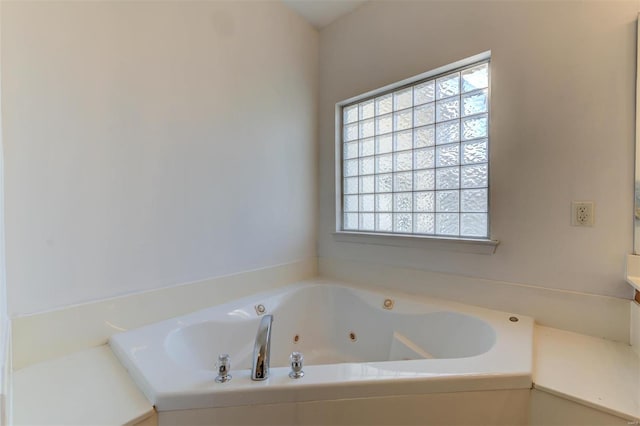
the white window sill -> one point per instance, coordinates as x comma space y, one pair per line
463, 245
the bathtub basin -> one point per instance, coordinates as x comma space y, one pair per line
356, 343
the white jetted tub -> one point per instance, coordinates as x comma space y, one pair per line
355, 342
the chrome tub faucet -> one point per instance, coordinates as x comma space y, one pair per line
262, 350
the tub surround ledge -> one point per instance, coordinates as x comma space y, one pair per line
633, 274
90, 386
86, 387
590, 314
77, 384
594, 372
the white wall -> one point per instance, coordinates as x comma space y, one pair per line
5, 370
562, 128
154, 143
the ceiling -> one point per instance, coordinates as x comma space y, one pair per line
321, 13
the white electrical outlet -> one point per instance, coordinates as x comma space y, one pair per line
582, 213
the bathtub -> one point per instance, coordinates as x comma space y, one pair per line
356, 343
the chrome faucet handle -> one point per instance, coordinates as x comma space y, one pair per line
296, 359
224, 367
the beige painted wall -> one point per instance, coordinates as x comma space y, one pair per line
562, 128
5, 369
154, 143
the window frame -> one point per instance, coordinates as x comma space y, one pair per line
484, 245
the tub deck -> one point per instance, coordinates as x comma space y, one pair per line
177, 379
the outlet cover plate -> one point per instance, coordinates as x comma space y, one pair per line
582, 213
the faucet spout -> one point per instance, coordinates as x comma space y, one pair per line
262, 350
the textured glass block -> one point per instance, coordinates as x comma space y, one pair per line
448, 109
474, 176
474, 127
402, 120
367, 184
384, 202
384, 104
424, 114
350, 185
350, 150
403, 161
384, 163
448, 178
473, 201
404, 140
350, 203
402, 222
351, 167
402, 202
424, 136
447, 224
424, 92
367, 147
447, 201
367, 128
367, 109
367, 222
473, 225
474, 103
384, 183
384, 222
403, 181
475, 152
448, 155
384, 144
407, 154
350, 221
448, 85
403, 99
350, 132
424, 180
384, 124
475, 78
448, 132
424, 223
350, 114
367, 166
366, 203
423, 158
424, 201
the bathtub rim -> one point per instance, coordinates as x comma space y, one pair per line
492, 370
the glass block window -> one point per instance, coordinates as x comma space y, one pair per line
415, 160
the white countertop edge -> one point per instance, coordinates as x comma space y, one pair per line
633, 270
76, 388
590, 404
634, 281
562, 370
